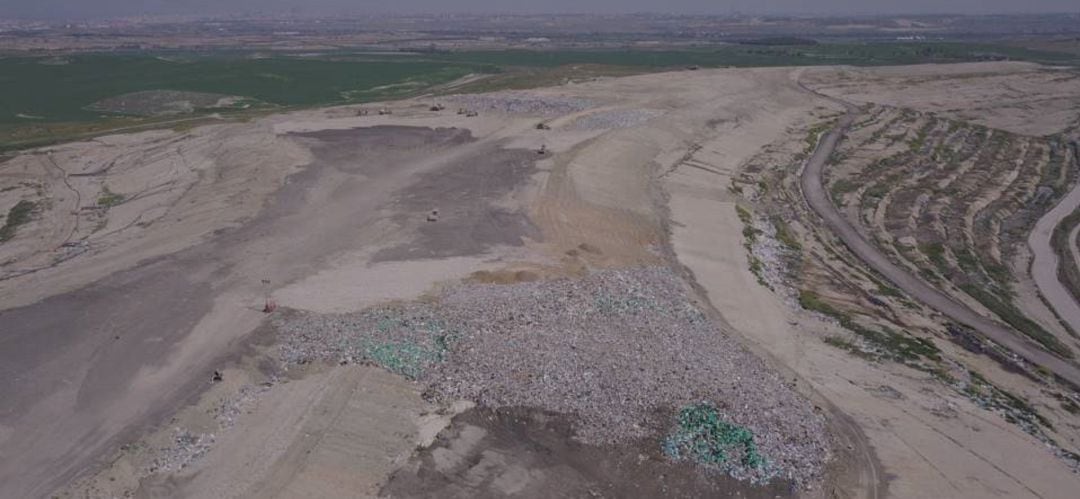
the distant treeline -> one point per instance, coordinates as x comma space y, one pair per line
778, 40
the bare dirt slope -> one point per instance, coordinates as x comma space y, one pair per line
132, 344
1024, 98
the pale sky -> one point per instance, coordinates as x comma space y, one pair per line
75, 9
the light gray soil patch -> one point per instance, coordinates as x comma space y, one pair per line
610, 350
366, 150
464, 191
74, 358
168, 102
468, 221
102, 327
88, 345
614, 119
520, 103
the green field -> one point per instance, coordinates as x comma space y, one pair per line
49, 99
43, 90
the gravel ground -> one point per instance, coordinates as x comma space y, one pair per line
520, 102
618, 118
615, 349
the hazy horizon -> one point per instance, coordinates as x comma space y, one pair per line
98, 9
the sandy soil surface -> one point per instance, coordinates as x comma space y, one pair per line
1025, 98
116, 335
523, 453
116, 352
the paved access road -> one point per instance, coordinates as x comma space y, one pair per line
818, 198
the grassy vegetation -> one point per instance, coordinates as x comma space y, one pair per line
785, 236
916, 145
886, 343
521, 78
966, 259
840, 188
750, 233
880, 189
935, 252
810, 300
62, 92
887, 290
42, 103
1015, 318
17, 215
814, 134
108, 199
1017, 410
923, 355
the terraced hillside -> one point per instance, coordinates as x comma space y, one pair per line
954, 202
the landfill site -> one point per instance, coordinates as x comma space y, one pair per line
622, 287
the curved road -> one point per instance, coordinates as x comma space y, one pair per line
1045, 262
818, 199
1074, 248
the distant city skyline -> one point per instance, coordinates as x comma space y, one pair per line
98, 9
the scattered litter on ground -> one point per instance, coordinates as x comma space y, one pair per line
613, 119
521, 102
186, 448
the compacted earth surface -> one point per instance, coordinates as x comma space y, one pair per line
526, 453
604, 289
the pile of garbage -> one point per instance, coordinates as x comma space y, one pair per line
616, 349
521, 103
186, 448
702, 434
613, 119
407, 340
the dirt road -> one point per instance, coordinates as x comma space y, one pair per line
1045, 262
81, 370
818, 198
1074, 248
